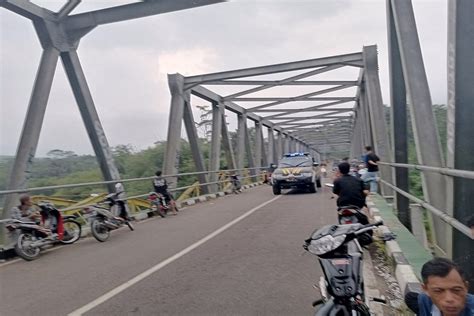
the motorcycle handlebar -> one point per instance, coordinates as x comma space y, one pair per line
368, 227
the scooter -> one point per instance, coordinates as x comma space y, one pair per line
340, 256
33, 237
103, 220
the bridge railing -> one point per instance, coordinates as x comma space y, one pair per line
443, 215
222, 180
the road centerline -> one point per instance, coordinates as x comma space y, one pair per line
115, 291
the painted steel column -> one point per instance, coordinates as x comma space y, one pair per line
31, 127
286, 144
193, 138
173, 143
279, 147
84, 100
215, 156
460, 126
265, 152
258, 144
377, 114
271, 146
242, 118
424, 127
227, 144
399, 121
364, 109
248, 150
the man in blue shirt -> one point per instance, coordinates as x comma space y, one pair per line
445, 291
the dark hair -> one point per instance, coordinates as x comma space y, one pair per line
158, 173
344, 167
368, 148
439, 267
24, 199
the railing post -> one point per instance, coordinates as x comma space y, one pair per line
460, 192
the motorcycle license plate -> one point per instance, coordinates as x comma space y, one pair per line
340, 262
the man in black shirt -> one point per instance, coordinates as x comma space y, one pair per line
350, 190
371, 160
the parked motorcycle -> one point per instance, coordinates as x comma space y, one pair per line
340, 255
53, 228
103, 220
158, 202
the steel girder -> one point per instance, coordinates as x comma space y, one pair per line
327, 116
460, 149
427, 142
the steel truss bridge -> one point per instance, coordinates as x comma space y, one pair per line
331, 118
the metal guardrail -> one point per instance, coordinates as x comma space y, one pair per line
73, 185
445, 171
76, 185
439, 213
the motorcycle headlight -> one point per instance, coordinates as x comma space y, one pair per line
325, 244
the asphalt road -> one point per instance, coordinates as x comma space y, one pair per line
236, 255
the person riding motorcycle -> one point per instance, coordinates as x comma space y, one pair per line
26, 211
350, 190
120, 198
48, 223
161, 186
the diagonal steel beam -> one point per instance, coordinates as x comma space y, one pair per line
131, 11
264, 70
319, 116
280, 82
310, 109
291, 83
28, 10
302, 97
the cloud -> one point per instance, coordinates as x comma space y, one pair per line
187, 62
126, 63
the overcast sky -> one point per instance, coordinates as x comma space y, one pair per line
126, 63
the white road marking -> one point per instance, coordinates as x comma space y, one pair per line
145, 274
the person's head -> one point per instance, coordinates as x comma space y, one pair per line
368, 148
158, 173
119, 187
26, 200
446, 285
470, 224
344, 167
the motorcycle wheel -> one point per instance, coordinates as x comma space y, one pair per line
23, 250
130, 225
72, 232
99, 230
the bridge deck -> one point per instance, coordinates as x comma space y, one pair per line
254, 267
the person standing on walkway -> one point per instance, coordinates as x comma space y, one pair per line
370, 176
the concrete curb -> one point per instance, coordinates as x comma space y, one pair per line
404, 273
